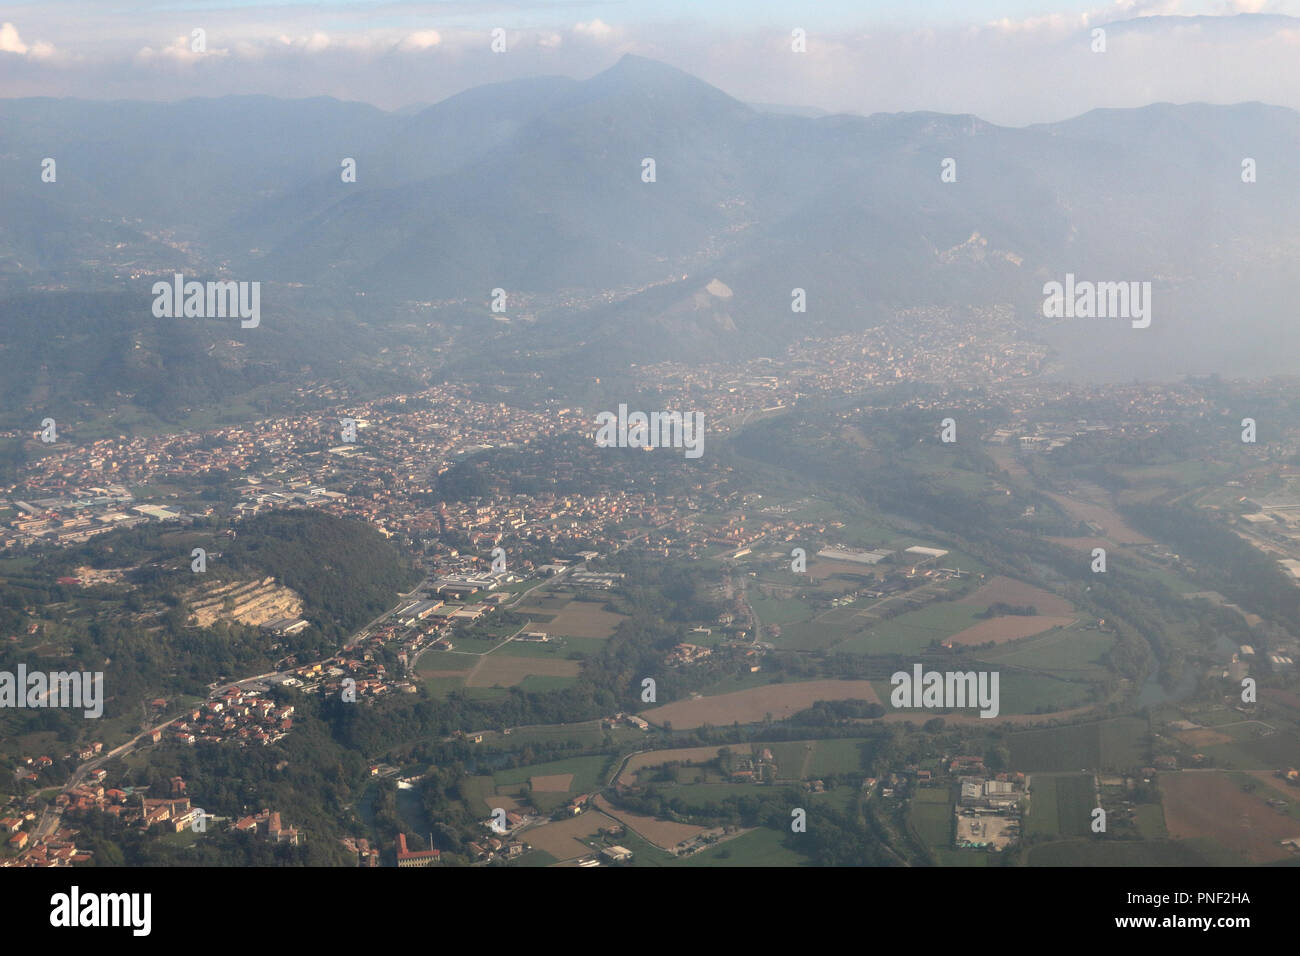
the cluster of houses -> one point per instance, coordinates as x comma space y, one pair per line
631, 720
688, 653
267, 824
757, 767
58, 849
485, 851
241, 714
173, 813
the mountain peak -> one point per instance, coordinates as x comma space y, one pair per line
641, 76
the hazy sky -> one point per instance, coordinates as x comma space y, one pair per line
1009, 61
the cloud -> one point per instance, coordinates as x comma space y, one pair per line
597, 30
421, 40
181, 50
10, 41
1020, 69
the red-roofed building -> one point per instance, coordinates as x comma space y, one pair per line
407, 857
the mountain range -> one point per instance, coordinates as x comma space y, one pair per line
536, 187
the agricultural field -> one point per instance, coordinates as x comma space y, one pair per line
1060, 805
545, 602
1021, 697
1043, 818
657, 758
836, 576
664, 834
1004, 590
751, 706
1103, 745
562, 839
584, 774
1150, 821
478, 793
1071, 653
931, 816
759, 847
580, 619
1070, 853
780, 610
1006, 628
589, 734
1212, 806
1254, 745
795, 759
842, 755
560, 648
1024, 692
913, 632
1095, 507
496, 670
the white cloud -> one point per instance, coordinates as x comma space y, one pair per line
10, 41
421, 40
597, 30
180, 50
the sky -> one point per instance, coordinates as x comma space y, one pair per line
1012, 62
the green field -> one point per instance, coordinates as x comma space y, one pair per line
1018, 693
1123, 743
1075, 800
841, 755
1150, 820
1072, 653
913, 632
446, 661
790, 757
561, 649
442, 686
588, 734
475, 790
589, 773
1107, 745
1025, 693
815, 636
780, 611
1060, 805
931, 816
760, 847
1131, 853
700, 797
1042, 818
1274, 752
